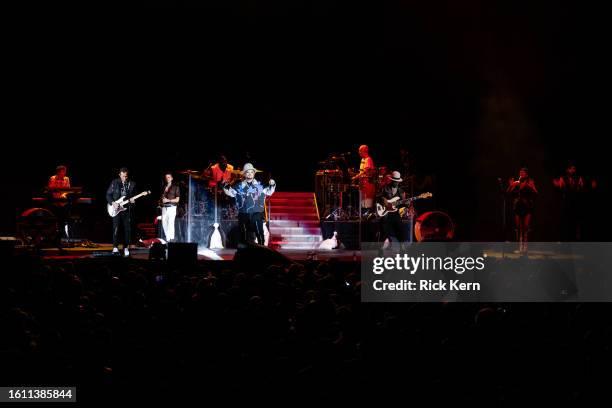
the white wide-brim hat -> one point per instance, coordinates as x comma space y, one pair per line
247, 167
396, 176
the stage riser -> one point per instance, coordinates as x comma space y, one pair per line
295, 245
294, 231
298, 210
294, 221
297, 238
291, 202
293, 216
293, 224
292, 195
348, 231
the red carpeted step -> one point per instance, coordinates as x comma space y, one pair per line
297, 238
293, 216
292, 194
295, 209
147, 230
294, 221
294, 245
292, 201
278, 230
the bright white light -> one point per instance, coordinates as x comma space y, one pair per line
212, 255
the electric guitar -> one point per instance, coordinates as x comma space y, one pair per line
393, 204
119, 205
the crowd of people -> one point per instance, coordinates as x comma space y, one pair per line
149, 330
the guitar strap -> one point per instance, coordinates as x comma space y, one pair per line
125, 188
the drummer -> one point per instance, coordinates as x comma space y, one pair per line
221, 171
367, 187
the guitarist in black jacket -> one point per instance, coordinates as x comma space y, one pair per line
122, 187
391, 221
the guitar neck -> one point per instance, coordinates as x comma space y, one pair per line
137, 196
408, 200
404, 201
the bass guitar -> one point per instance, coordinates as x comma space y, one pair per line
393, 204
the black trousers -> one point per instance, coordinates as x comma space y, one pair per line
122, 221
251, 227
392, 226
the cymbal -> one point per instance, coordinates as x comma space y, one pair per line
188, 172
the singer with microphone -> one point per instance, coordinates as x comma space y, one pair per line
250, 197
523, 192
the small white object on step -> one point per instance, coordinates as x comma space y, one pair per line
215, 239
330, 243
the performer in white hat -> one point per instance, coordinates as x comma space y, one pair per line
250, 197
392, 222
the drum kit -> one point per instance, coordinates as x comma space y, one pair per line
56, 213
338, 186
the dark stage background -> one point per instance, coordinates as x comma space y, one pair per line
473, 91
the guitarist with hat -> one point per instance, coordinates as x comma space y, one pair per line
391, 221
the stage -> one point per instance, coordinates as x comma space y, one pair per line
104, 250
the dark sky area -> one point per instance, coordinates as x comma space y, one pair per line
473, 89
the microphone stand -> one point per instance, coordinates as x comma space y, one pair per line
504, 221
503, 194
160, 205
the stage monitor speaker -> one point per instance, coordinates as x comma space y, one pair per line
259, 256
183, 252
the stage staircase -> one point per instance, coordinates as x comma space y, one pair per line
146, 230
294, 221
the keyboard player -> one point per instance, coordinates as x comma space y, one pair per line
59, 186
58, 182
